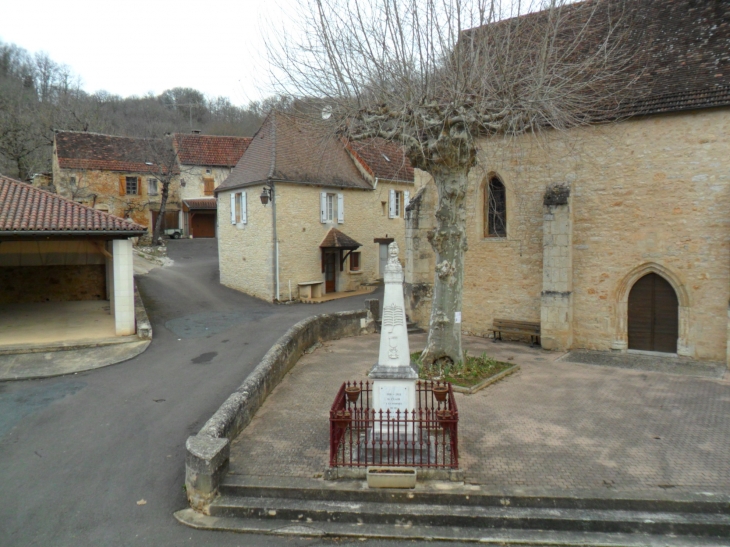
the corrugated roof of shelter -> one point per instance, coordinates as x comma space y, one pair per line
94, 151
382, 159
289, 149
337, 239
210, 150
201, 203
25, 208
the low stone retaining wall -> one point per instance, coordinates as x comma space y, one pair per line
207, 456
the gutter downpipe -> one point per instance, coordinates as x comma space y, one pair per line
276, 239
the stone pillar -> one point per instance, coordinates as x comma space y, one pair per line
556, 310
123, 282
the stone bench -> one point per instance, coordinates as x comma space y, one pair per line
529, 328
310, 289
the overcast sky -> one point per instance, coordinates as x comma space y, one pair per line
133, 47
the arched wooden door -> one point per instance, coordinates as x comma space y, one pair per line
653, 315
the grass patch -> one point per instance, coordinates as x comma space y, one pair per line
466, 373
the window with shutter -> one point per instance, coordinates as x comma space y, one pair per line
391, 209
406, 201
208, 186
122, 185
340, 208
233, 208
132, 185
323, 207
244, 208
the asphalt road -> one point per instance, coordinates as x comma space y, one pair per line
97, 458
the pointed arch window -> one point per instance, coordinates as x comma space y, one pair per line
495, 208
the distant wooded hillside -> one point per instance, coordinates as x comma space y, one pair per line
38, 96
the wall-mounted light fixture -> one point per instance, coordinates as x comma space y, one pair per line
267, 194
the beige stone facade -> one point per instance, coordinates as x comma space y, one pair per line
105, 190
246, 250
647, 195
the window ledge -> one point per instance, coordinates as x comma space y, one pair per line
355, 272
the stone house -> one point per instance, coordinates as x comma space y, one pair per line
55, 251
612, 236
205, 161
118, 175
310, 212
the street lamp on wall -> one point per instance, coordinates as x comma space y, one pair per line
267, 194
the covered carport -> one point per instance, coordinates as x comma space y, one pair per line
65, 270
200, 215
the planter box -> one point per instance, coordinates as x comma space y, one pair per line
391, 477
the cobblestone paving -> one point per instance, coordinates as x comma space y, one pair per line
554, 424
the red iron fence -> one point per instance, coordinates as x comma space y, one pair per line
426, 436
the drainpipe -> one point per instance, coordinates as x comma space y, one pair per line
276, 240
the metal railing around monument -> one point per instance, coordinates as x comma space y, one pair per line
424, 437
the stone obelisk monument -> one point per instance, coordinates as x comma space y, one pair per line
394, 379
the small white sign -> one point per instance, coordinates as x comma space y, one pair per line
393, 397
457, 317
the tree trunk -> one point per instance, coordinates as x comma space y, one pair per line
448, 240
161, 214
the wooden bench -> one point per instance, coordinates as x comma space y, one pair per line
310, 289
529, 328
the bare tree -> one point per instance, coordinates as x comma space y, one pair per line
437, 75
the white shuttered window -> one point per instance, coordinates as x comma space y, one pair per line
233, 208
340, 208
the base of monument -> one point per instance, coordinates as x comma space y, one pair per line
388, 372
412, 452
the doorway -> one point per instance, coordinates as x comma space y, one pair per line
330, 275
653, 315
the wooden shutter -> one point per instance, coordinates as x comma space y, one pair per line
340, 208
244, 208
208, 186
391, 210
406, 201
122, 185
323, 207
233, 208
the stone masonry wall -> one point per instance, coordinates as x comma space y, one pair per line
245, 251
100, 189
648, 194
26, 284
193, 175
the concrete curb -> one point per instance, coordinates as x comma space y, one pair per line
207, 452
144, 326
487, 382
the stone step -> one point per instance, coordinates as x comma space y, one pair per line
457, 494
482, 535
571, 520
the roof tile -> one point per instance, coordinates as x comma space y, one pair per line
210, 150
25, 208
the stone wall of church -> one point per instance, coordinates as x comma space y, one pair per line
649, 194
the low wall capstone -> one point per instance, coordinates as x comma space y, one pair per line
207, 455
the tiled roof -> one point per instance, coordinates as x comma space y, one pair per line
201, 203
289, 149
25, 208
680, 52
336, 239
81, 150
382, 159
210, 150
685, 46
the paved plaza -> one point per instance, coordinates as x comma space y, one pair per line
554, 424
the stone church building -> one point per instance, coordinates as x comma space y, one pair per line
613, 236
